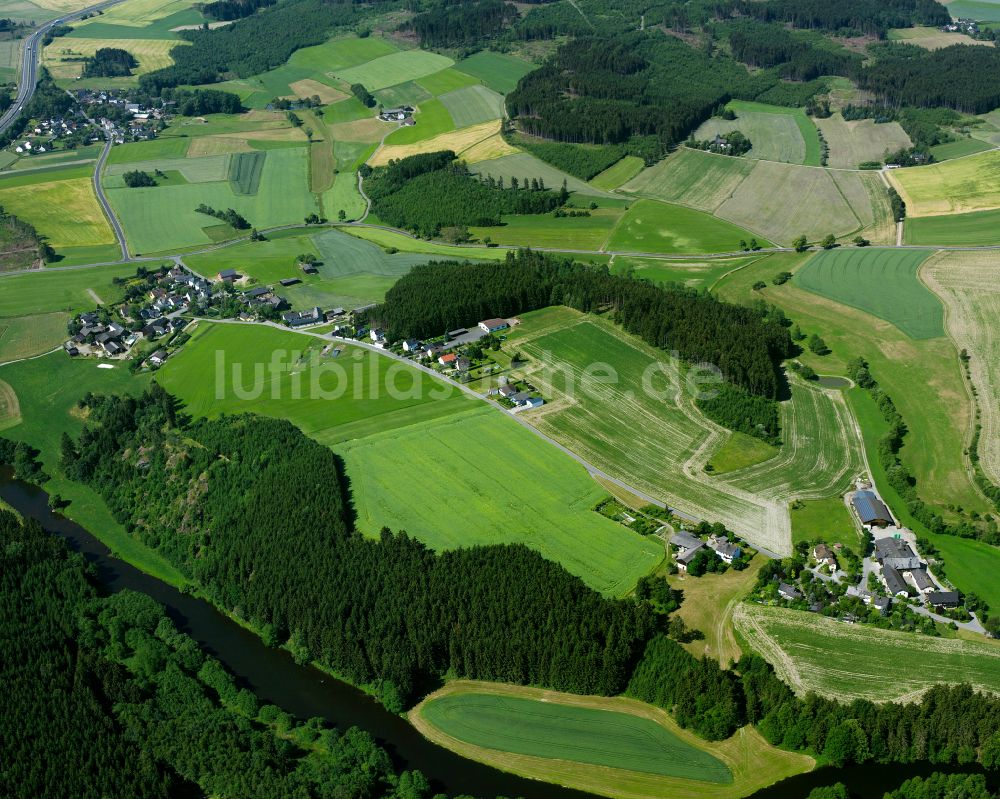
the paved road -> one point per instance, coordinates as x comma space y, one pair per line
103, 200
30, 55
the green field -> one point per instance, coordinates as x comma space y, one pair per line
162, 218
499, 72
26, 336
827, 519
693, 178
855, 142
980, 10
740, 451
958, 149
951, 187
447, 80
544, 230
388, 70
245, 170
48, 291
618, 173
849, 661
883, 283
691, 273
432, 118
390, 238
978, 228
651, 226
524, 165
472, 105
154, 150
391, 422
408, 93
567, 732
776, 133
208, 169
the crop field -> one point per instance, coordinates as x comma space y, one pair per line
389, 238
690, 273
612, 746
447, 80
150, 53
553, 730
206, 169
980, 10
492, 148
386, 418
163, 217
456, 140
651, 226
828, 519
245, 170
754, 195
162, 148
776, 133
525, 165
850, 661
973, 229
497, 71
27, 336
137, 13
969, 285
853, 143
959, 148
61, 205
618, 173
472, 105
883, 283
932, 38
48, 291
408, 93
648, 430
935, 406
388, 70
432, 120
545, 230
951, 187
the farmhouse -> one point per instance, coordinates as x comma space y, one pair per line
300, 318
724, 549
823, 555
507, 392
894, 582
228, 275
943, 599
922, 581
882, 604
448, 359
493, 325
158, 358
870, 509
687, 547
401, 114
895, 553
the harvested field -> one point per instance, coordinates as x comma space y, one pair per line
369, 130
933, 38
61, 57
969, 285
457, 140
66, 212
693, 178
488, 149
307, 87
10, 408
217, 145
951, 187
814, 653
776, 133
853, 143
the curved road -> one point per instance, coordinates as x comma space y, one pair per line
105, 205
29, 61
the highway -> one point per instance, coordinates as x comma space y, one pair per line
30, 55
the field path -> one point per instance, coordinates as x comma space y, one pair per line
95, 296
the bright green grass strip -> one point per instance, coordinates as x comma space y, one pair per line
388, 238
828, 519
347, 110
432, 118
148, 150
618, 173
806, 127
245, 170
447, 80
972, 229
500, 72
394, 68
652, 226
566, 732
883, 283
958, 149
11, 180
739, 451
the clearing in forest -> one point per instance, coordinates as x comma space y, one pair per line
814, 653
969, 285
776, 133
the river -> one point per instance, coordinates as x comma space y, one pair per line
306, 692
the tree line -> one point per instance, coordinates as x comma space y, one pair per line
746, 346
104, 697
425, 193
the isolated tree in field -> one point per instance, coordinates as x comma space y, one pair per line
801, 244
760, 284
743, 245
817, 345
807, 372
754, 245
861, 241
781, 278
341, 214
138, 179
829, 241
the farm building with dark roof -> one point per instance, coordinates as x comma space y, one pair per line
870, 509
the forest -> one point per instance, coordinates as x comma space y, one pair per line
797, 56
196, 102
229, 501
847, 17
462, 24
739, 410
428, 192
104, 697
585, 162
227, 10
740, 341
109, 62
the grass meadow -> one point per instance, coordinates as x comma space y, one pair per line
612, 746
853, 143
883, 283
428, 428
978, 228
63, 58
828, 519
525, 165
740, 451
814, 653
656, 227
27, 336
950, 187
390, 238
388, 70
618, 173
447, 80
958, 149
544, 230
432, 119
776, 133
497, 71
690, 273
473, 104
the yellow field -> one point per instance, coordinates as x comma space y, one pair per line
308, 87
217, 145
151, 54
135, 13
754, 763
951, 187
488, 149
932, 38
458, 140
369, 130
65, 211
62, 5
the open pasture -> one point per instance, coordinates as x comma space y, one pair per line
432, 120
776, 133
456, 140
49, 291
161, 218
159, 149
207, 169
472, 105
977, 228
618, 173
883, 283
814, 653
827, 519
497, 71
61, 57
552, 730
388, 70
61, 205
951, 187
245, 171
853, 143
740, 451
408, 93
390, 238
962, 147
544, 230
969, 285
690, 273
525, 165
447, 80
656, 227
597, 744
27, 336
